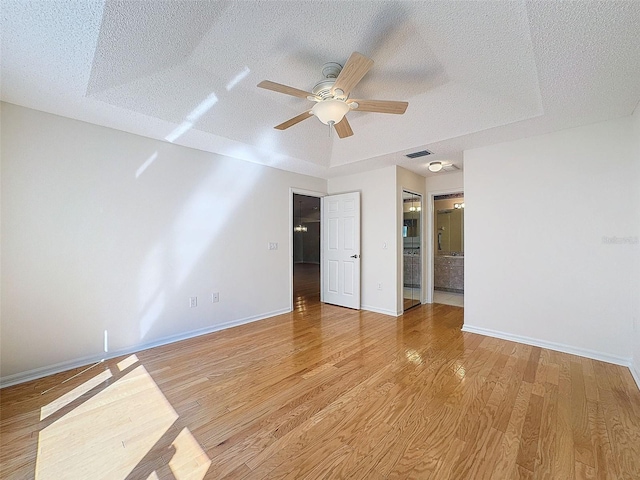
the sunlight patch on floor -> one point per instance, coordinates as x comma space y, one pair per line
108, 434
77, 392
189, 461
127, 362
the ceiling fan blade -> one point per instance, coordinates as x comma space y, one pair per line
278, 87
343, 128
380, 106
356, 67
292, 121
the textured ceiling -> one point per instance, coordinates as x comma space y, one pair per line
473, 73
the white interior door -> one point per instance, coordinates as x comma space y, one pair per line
341, 249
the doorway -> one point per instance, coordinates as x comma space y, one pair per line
448, 249
306, 215
411, 251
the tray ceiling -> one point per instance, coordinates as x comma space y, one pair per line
186, 72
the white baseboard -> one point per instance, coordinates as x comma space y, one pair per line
635, 373
383, 311
559, 347
36, 373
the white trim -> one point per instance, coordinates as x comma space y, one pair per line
400, 290
383, 311
309, 193
430, 233
635, 374
36, 373
559, 347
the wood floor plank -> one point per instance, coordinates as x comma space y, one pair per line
505, 466
600, 440
327, 392
624, 438
564, 465
580, 417
530, 434
545, 456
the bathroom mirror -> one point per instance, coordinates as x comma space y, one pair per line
450, 231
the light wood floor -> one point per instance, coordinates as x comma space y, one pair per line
327, 392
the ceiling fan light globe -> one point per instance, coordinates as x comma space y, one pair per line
330, 110
435, 166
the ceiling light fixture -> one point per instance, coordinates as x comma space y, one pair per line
330, 111
435, 166
300, 228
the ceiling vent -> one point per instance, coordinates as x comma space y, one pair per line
422, 153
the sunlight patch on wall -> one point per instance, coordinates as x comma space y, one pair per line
192, 118
264, 153
151, 314
150, 297
146, 164
205, 215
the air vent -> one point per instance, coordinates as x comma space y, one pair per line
422, 153
449, 167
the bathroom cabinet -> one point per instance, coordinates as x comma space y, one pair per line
448, 273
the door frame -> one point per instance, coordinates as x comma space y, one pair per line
422, 242
309, 193
430, 246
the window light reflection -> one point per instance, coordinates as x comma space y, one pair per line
238, 78
186, 125
413, 356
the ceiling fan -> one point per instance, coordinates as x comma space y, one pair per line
332, 96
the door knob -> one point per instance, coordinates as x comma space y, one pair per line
355, 256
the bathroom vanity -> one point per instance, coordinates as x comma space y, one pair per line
448, 273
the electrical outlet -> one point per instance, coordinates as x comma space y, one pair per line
193, 302
379, 285
215, 297
273, 245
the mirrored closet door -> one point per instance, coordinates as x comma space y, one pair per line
412, 252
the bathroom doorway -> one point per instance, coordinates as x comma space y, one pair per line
411, 249
448, 249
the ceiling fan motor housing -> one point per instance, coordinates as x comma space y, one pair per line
330, 72
322, 89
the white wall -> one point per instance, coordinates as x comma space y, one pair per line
407, 180
445, 182
104, 230
536, 266
378, 204
635, 368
